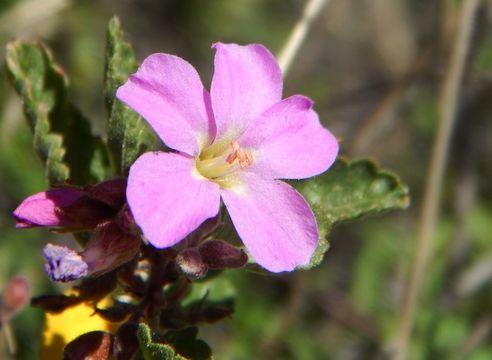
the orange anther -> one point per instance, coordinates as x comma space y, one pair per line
244, 158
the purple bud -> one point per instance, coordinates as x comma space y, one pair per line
109, 247
63, 264
41, 209
219, 254
64, 207
191, 264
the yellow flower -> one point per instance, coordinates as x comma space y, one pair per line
62, 328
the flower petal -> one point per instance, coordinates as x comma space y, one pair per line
274, 221
167, 91
63, 264
288, 141
168, 198
247, 81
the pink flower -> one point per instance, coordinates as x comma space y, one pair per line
233, 143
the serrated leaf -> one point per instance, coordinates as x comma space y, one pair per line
61, 135
128, 134
154, 351
350, 190
347, 191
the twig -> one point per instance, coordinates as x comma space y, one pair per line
478, 335
298, 34
9, 339
430, 208
29, 13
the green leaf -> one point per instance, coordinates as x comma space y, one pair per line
128, 135
218, 289
151, 350
347, 191
174, 345
62, 136
350, 190
185, 343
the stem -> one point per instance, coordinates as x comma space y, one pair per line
430, 209
9, 339
30, 13
311, 10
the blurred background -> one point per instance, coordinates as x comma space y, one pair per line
375, 70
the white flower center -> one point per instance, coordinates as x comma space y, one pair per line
219, 161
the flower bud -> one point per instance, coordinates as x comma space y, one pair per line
191, 264
218, 254
91, 345
63, 207
14, 298
109, 247
64, 264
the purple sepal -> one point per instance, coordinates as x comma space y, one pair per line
64, 264
112, 192
109, 247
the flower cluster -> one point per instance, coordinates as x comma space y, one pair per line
155, 231
101, 208
233, 144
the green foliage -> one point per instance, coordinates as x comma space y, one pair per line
175, 345
350, 190
347, 191
128, 134
217, 289
374, 270
187, 345
62, 136
151, 350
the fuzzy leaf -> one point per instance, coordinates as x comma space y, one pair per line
174, 345
62, 136
186, 344
347, 191
128, 134
154, 351
350, 190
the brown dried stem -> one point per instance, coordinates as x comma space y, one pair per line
298, 34
448, 106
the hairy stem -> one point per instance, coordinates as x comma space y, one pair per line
298, 34
448, 107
